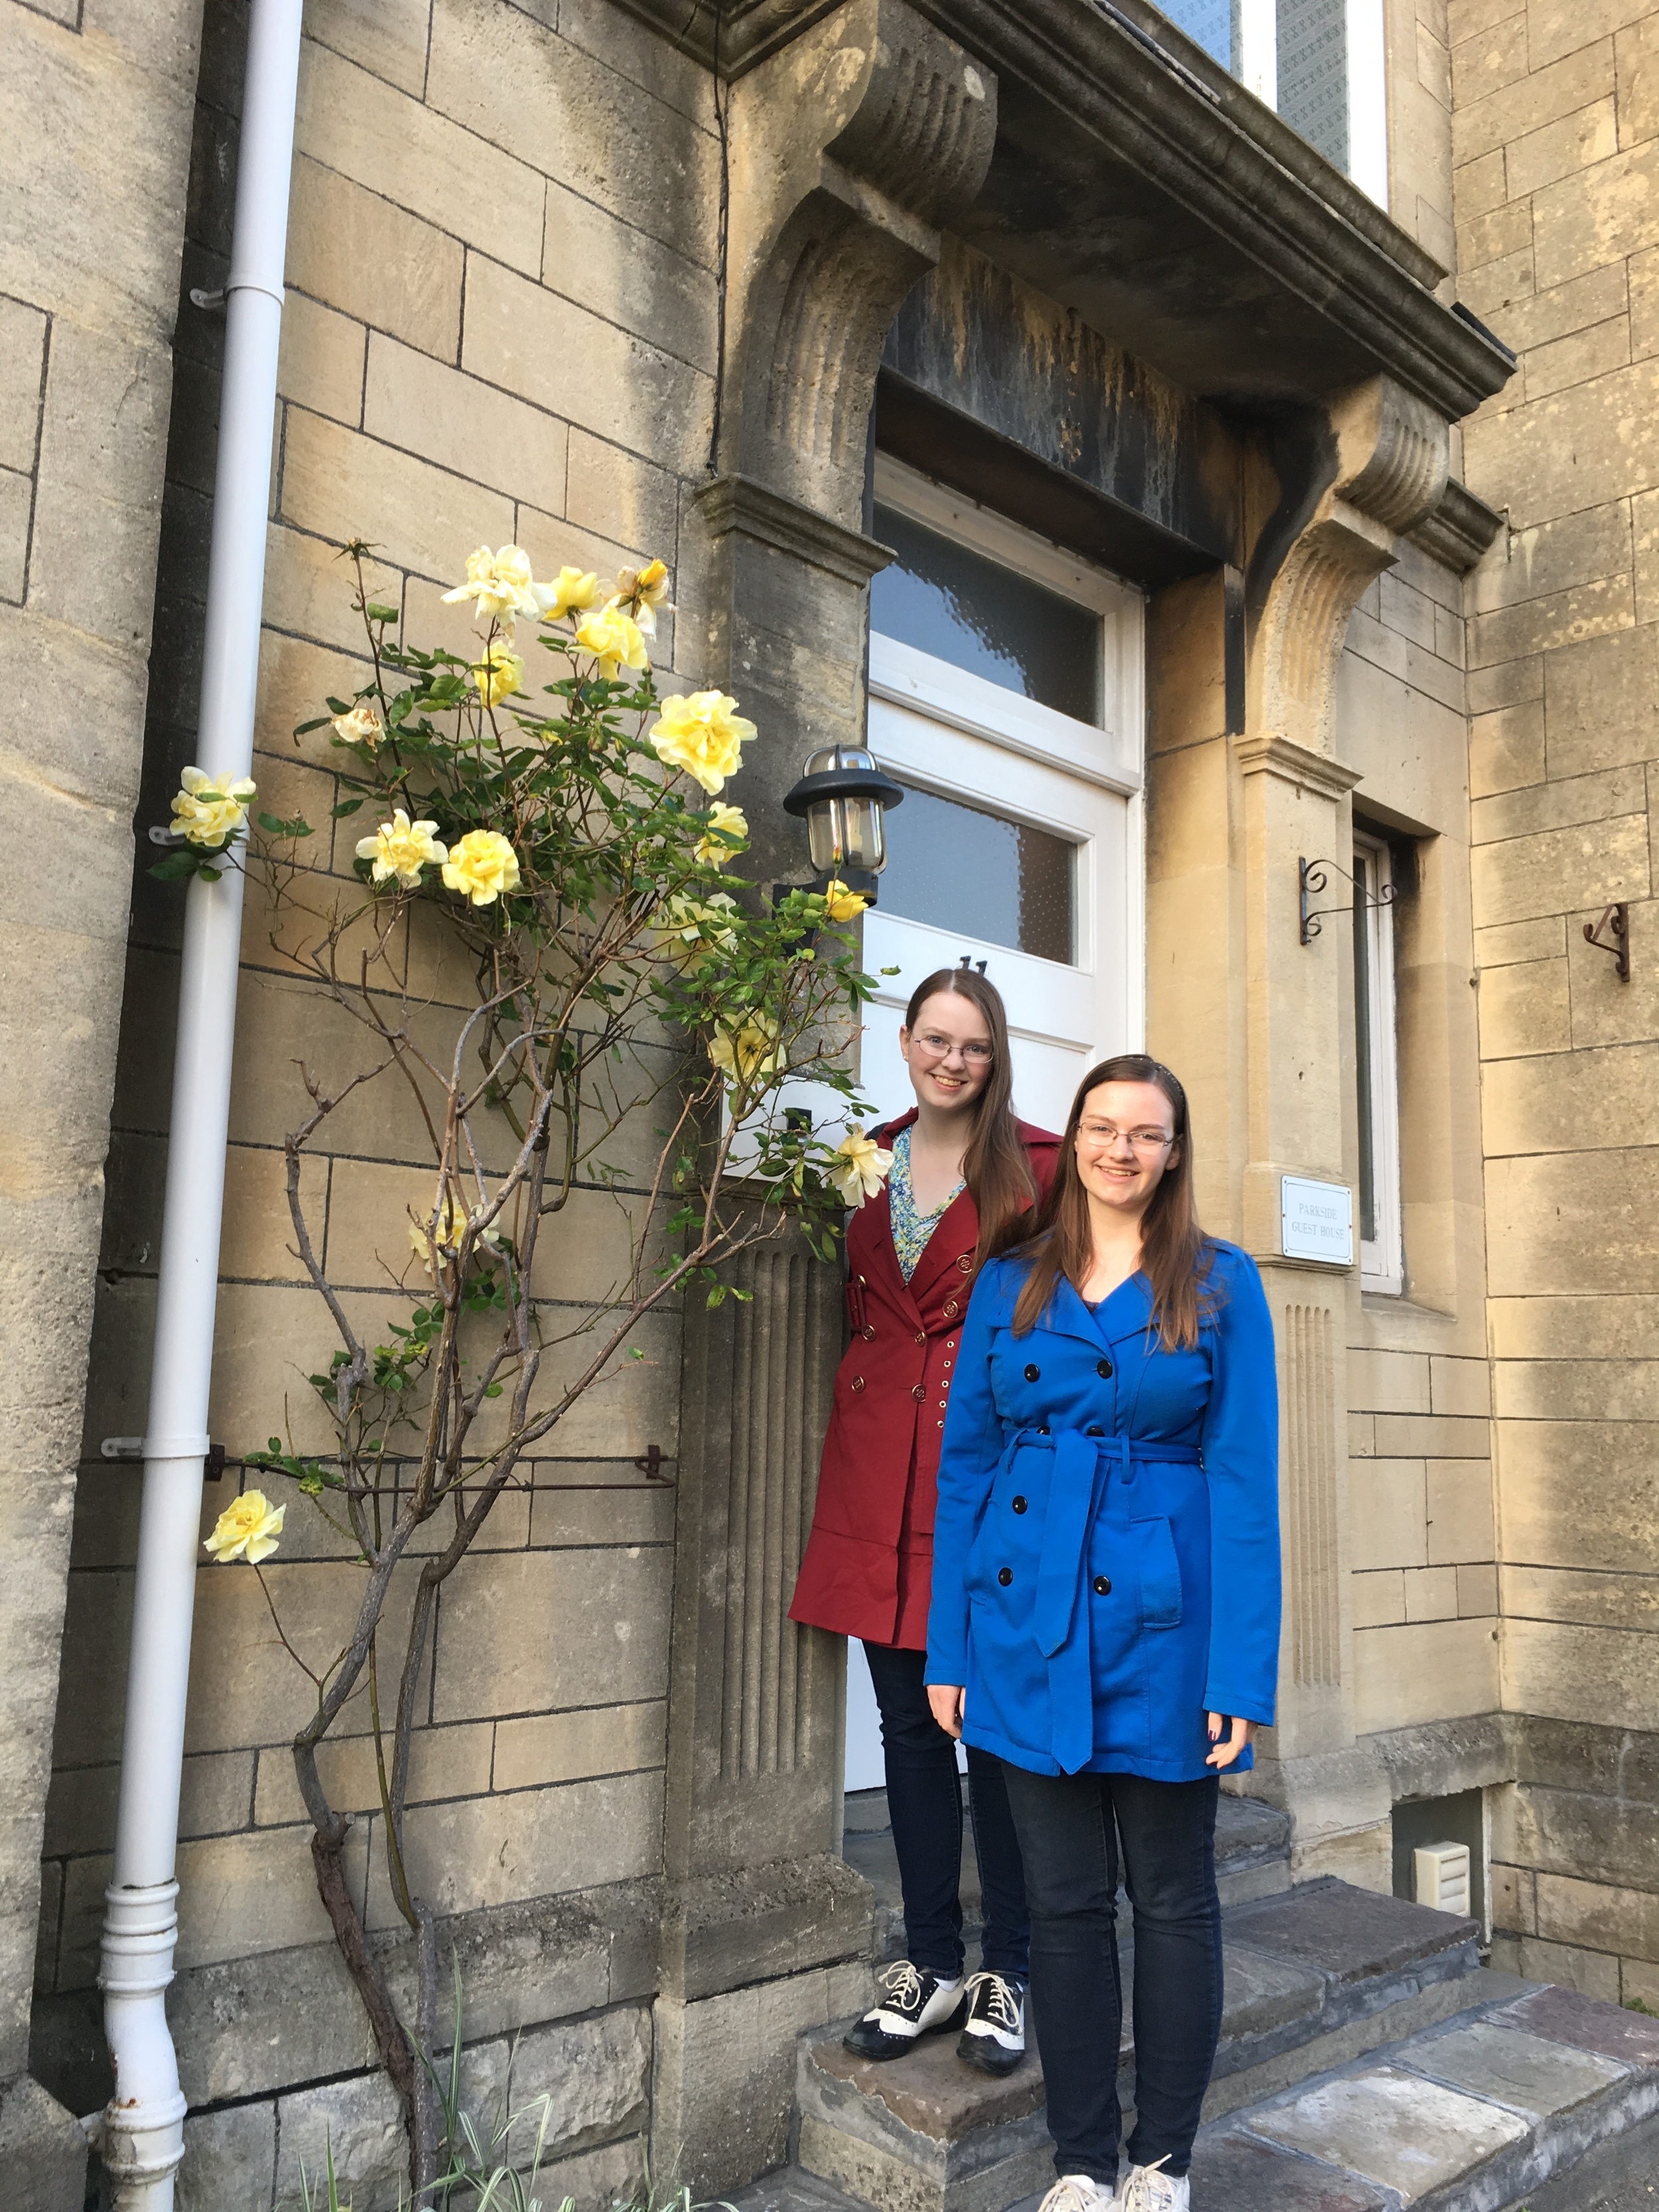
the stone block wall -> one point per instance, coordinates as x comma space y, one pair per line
1557, 140
500, 327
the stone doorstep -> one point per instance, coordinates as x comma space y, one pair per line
1313, 1978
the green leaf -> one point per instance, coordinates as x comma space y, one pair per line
378, 613
346, 807
176, 868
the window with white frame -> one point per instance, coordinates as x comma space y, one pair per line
1320, 64
1377, 1064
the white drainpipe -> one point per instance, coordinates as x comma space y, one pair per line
142, 2134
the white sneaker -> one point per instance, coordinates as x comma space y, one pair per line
1079, 2192
1146, 2190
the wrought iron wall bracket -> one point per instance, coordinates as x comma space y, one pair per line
1617, 919
1314, 880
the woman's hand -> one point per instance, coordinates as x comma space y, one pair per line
1241, 1733
946, 1699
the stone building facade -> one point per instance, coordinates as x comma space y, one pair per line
617, 279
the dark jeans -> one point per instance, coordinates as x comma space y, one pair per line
924, 1803
1069, 1827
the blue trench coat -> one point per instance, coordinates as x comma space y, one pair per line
1106, 1546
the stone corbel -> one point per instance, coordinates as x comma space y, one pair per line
849, 148
1391, 457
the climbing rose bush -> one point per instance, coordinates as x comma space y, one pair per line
531, 823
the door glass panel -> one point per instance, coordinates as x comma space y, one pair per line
945, 599
979, 875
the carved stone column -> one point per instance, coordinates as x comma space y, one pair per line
1386, 465
849, 146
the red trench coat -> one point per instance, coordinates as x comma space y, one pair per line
868, 1565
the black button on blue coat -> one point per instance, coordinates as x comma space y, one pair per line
1102, 1586
1103, 1367
1032, 1372
1019, 1506
1005, 1575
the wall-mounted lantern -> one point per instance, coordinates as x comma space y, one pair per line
845, 798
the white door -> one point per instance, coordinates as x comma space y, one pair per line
1005, 696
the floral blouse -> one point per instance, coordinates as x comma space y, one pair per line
911, 1229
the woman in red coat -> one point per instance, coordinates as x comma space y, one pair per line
962, 1169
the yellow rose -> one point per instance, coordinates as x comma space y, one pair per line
840, 904
613, 637
863, 1169
361, 726
703, 735
210, 811
401, 847
498, 583
642, 591
723, 826
452, 1222
749, 1051
482, 865
576, 591
497, 676
246, 1530
690, 926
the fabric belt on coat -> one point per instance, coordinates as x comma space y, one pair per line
1082, 1466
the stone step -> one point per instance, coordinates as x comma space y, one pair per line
1533, 2098
1539, 2102
1252, 1860
1315, 1978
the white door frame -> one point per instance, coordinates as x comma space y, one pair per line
1112, 754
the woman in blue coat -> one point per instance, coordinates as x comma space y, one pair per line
1105, 1605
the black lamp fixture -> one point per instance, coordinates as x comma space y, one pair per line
845, 798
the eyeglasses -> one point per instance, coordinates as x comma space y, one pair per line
1103, 1136
939, 1048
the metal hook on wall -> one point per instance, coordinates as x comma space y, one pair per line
1616, 919
1314, 880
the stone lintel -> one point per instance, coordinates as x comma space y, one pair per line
1139, 135
1264, 752
1458, 530
738, 503
1123, 144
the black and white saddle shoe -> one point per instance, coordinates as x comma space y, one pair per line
994, 2034
915, 2002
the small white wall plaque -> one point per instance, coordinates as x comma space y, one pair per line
1317, 1220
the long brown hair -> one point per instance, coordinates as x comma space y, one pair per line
994, 1166
1176, 1256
